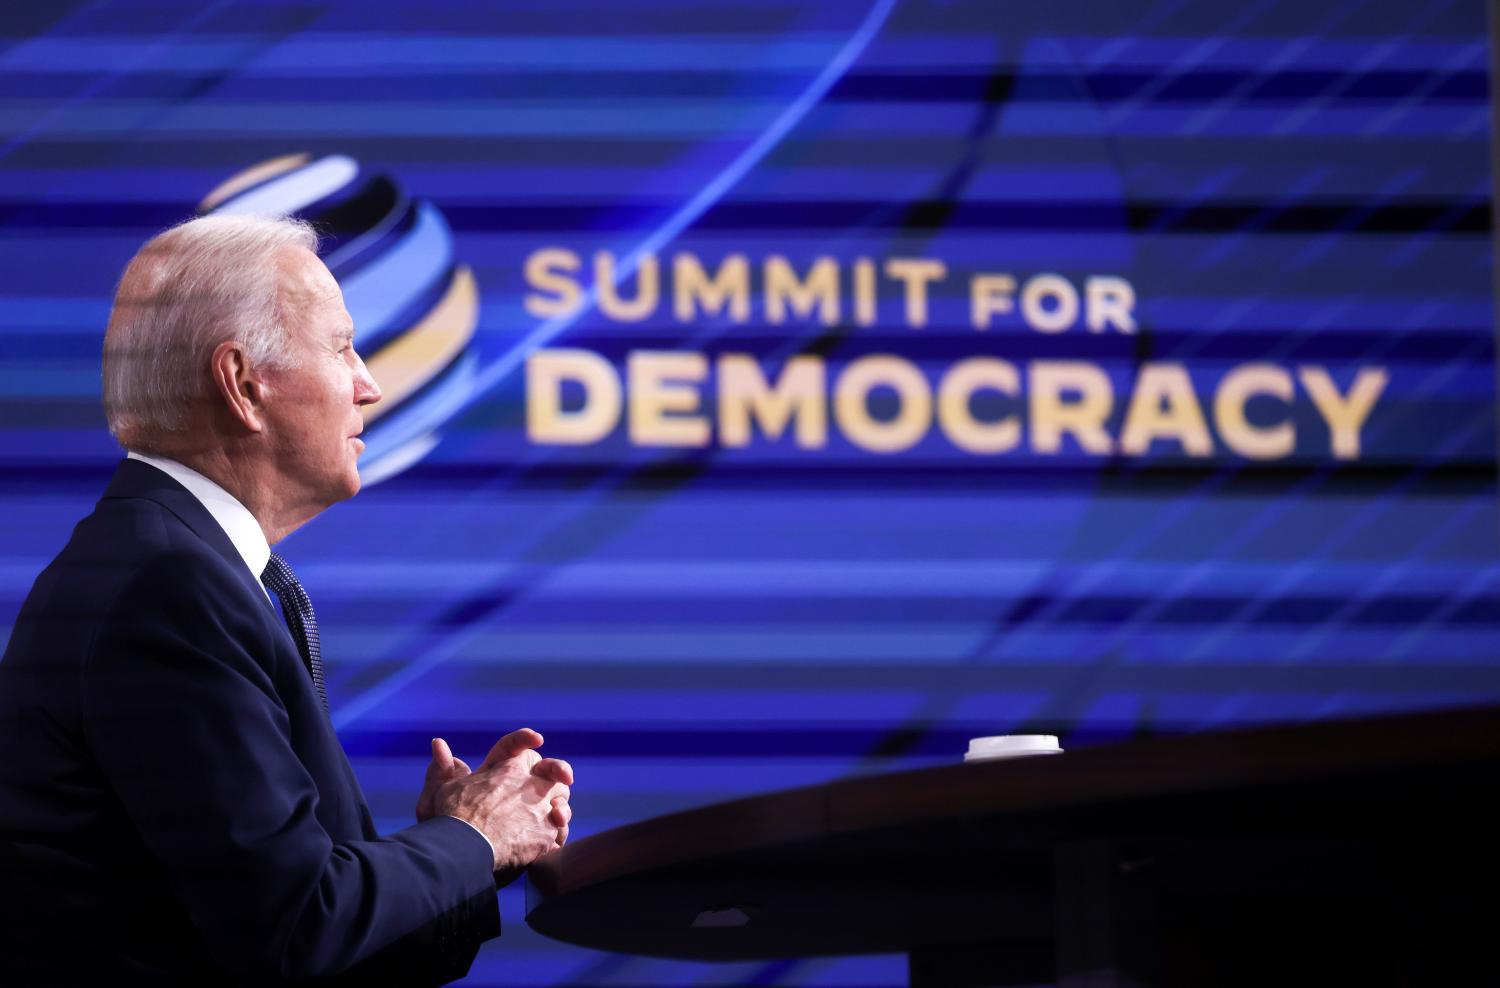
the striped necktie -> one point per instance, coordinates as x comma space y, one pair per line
297, 608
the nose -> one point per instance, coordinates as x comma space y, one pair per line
366, 391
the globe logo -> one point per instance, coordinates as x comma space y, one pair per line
414, 307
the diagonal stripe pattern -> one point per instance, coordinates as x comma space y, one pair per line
297, 606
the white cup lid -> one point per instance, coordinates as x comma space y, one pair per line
1012, 746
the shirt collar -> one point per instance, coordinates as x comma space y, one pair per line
236, 520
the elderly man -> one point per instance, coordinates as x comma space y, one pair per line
174, 804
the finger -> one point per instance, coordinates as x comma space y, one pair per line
461, 768
555, 770
512, 745
537, 841
442, 760
555, 805
562, 835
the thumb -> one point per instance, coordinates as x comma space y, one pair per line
512, 745
441, 765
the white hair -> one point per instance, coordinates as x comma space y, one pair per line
190, 288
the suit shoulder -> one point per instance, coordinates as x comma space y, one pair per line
124, 540
130, 554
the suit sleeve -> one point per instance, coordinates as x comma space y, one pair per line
188, 728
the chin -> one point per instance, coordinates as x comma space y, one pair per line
342, 487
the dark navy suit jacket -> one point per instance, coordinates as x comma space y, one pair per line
174, 804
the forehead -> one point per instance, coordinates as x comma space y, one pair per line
308, 292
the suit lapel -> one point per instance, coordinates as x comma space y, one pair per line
135, 479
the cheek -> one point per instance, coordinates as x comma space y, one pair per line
342, 384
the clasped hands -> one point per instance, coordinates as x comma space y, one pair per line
517, 798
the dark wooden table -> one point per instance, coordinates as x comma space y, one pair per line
1355, 852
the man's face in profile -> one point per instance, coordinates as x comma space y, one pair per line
313, 405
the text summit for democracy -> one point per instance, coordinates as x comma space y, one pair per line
577, 397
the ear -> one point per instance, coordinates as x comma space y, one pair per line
237, 386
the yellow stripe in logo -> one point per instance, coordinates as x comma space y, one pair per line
416, 356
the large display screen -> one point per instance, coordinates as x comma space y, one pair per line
778, 391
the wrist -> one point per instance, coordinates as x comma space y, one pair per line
481, 833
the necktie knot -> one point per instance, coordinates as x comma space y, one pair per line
279, 579
297, 608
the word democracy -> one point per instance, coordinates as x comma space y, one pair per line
667, 404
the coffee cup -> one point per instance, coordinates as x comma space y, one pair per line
1011, 746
